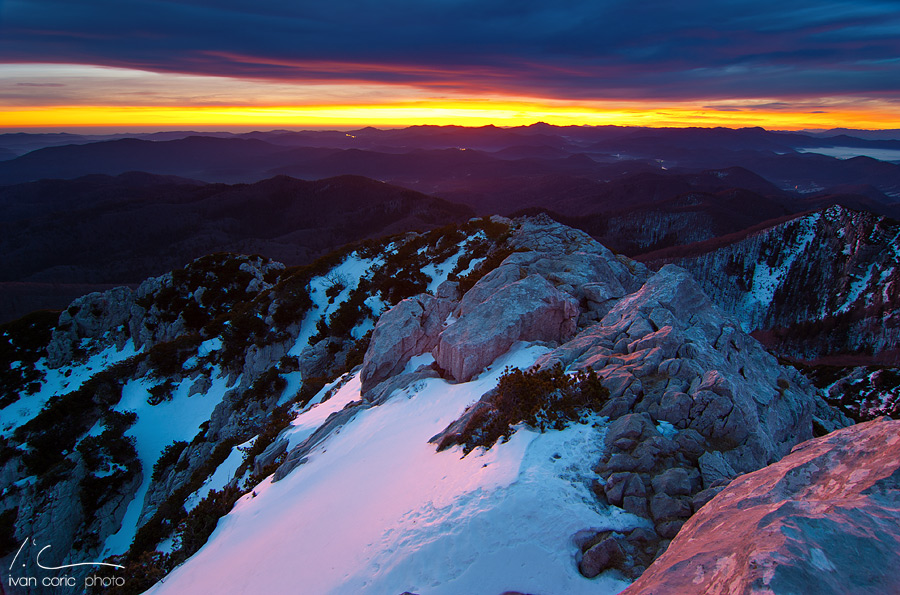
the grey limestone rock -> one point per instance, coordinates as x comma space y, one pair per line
530, 309
698, 371
673, 482
88, 317
408, 329
298, 455
604, 555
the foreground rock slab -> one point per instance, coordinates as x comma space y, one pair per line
825, 520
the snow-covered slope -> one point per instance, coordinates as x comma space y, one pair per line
128, 418
377, 510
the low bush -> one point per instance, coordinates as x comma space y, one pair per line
167, 359
55, 430
543, 399
24, 341
161, 392
168, 458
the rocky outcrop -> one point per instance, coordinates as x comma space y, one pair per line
298, 455
824, 519
556, 280
89, 317
667, 351
530, 309
161, 308
408, 329
694, 402
771, 282
54, 515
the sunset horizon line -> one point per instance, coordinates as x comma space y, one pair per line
143, 119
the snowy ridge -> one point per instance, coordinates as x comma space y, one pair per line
768, 278
187, 382
326, 456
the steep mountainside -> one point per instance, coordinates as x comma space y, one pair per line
390, 460
822, 284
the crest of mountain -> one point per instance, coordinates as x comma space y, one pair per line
773, 280
200, 157
668, 140
644, 397
687, 218
101, 230
823, 519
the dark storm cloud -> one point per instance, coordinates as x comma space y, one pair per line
576, 49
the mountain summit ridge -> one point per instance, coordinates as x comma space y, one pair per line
373, 386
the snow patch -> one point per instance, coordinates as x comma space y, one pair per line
223, 474
59, 381
156, 427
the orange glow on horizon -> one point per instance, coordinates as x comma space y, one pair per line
464, 113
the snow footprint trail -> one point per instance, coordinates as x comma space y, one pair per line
376, 509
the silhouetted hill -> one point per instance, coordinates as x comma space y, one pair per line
100, 230
202, 157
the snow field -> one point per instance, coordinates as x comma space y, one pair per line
377, 510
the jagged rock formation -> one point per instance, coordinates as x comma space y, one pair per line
695, 400
529, 309
668, 351
161, 308
823, 519
555, 280
408, 329
773, 282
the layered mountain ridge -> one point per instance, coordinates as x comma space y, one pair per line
773, 281
448, 404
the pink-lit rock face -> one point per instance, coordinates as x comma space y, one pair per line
530, 309
408, 329
825, 519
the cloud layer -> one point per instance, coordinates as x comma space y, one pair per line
573, 49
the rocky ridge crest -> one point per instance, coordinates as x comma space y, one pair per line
694, 401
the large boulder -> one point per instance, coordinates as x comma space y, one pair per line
408, 329
825, 519
530, 309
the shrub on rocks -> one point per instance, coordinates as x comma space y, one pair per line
543, 399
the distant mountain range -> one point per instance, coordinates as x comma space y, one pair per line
64, 238
431, 159
76, 214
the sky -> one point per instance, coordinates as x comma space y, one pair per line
784, 64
